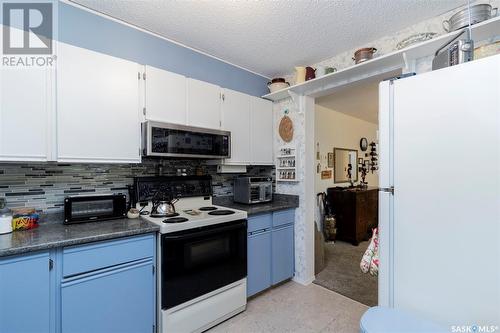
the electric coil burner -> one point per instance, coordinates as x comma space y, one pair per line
208, 208
164, 215
221, 212
176, 220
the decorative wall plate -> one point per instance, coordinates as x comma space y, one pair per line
286, 129
363, 144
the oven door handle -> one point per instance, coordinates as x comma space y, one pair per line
206, 232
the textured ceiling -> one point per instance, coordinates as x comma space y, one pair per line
270, 37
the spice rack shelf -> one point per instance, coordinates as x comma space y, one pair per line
287, 165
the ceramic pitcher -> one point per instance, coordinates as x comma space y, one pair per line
310, 73
320, 70
300, 74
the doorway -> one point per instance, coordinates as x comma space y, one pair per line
346, 170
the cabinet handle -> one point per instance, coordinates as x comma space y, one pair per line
51, 264
260, 231
92, 275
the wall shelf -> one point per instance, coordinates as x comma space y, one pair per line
385, 63
287, 165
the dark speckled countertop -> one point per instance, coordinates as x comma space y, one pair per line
280, 202
51, 233
55, 234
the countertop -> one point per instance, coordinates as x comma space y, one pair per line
280, 202
51, 233
55, 234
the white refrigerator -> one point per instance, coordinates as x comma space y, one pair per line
439, 203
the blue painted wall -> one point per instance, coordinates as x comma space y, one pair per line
85, 29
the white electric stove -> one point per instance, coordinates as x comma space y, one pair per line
192, 213
202, 253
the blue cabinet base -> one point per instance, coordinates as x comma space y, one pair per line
25, 294
270, 250
37, 295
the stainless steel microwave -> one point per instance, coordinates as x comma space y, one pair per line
173, 140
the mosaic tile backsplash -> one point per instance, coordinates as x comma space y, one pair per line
45, 185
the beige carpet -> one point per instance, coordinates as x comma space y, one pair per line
292, 307
342, 273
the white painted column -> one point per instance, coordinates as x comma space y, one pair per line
306, 106
301, 111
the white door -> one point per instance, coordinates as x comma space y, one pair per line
165, 96
385, 202
204, 102
97, 107
26, 108
261, 131
446, 249
236, 119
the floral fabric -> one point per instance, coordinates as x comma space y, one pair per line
370, 260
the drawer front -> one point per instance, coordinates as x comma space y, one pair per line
89, 257
259, 222
283, 217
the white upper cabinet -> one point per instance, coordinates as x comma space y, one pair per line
261, 131
26, 108
236, 118
204, 104
165, 96
97, 107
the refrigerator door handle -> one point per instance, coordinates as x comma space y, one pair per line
387, 189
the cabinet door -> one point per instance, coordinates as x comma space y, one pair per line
236, 119
25, 294
25, 113
259, 263
119, 299
282, 254
97, 107
165, 96
204, 104
261, 131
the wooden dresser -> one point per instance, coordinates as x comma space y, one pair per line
356, 212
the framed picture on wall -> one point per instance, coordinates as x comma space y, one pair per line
330, 160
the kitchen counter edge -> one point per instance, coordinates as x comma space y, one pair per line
51, 235
280, 202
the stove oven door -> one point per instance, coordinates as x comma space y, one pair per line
197, 261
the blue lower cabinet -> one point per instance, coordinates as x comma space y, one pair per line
39, 295
259, 262
282, 254
270, 250
119, 299
25, 294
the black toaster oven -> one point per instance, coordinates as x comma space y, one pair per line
87, 208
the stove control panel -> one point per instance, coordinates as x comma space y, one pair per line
171, 187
